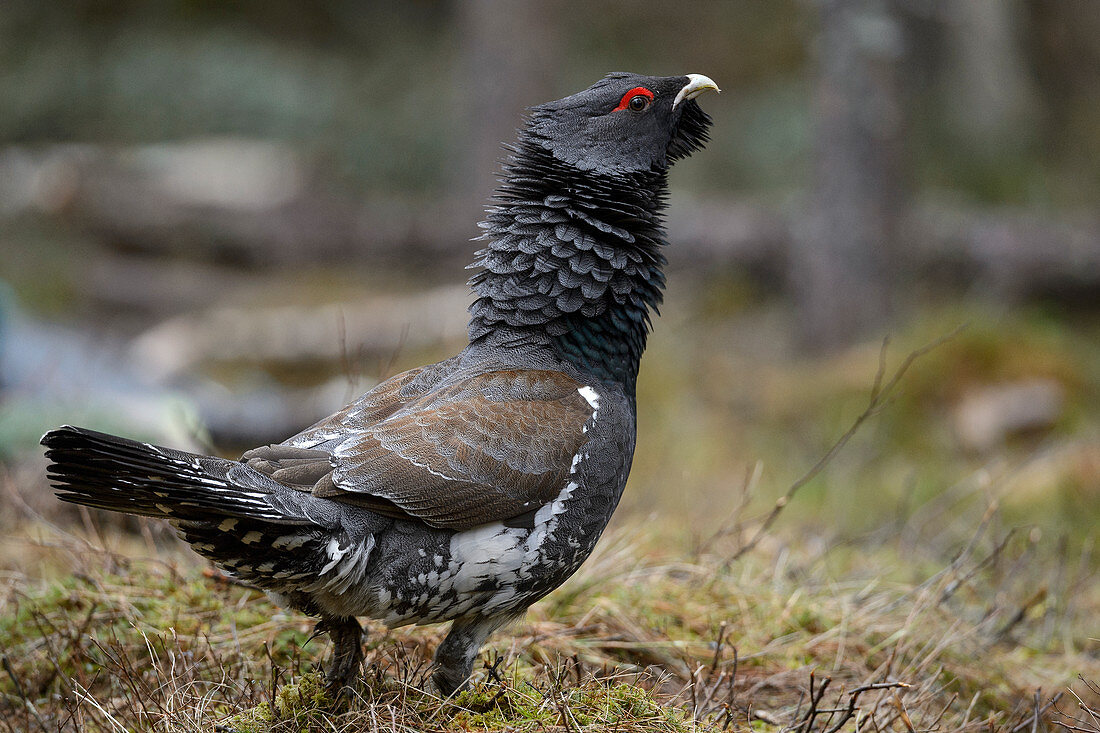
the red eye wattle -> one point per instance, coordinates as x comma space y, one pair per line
636, 99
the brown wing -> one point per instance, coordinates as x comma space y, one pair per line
297, 463
377, 404
490, 448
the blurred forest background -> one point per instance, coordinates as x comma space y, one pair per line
219, 221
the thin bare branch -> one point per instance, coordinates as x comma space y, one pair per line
880, 393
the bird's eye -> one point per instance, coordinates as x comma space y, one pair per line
636, 100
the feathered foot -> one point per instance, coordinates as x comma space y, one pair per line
347, 652
454, 658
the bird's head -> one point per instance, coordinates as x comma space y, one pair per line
625, 123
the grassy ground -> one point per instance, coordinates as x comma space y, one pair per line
638, 641
913, 585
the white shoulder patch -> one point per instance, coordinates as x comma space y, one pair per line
590, 396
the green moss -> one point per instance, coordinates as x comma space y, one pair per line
510, 706
253, 720
301, 706
592, 704
307, 695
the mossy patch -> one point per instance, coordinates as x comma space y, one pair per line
299, 706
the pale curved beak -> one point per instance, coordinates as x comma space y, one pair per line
697, 84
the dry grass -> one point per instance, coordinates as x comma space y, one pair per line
788, 637
1086, 717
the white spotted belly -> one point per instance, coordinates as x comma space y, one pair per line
488, 570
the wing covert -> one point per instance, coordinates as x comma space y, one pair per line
488, 448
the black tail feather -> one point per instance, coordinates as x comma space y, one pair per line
108, 472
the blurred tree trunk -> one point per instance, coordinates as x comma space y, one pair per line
844, 249
507, 61
992, 101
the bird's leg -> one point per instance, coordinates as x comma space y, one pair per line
347, 651
454, 658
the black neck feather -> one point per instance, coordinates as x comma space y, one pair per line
573, 260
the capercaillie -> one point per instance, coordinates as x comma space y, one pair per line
466, 490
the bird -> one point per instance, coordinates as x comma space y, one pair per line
465, 490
